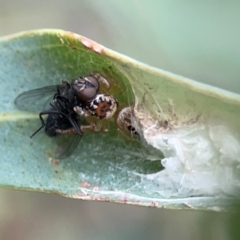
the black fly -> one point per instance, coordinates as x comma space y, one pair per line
61, 116
62, 122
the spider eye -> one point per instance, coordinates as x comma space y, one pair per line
87, 94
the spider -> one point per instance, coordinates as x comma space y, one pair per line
105, 106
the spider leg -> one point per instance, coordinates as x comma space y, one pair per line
66, 131
85, 128
101, 79
80, 111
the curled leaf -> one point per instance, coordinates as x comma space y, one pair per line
192, 129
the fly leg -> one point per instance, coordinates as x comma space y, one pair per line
42, 121
60, 100
70, 119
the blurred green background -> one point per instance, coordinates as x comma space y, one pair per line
197, 39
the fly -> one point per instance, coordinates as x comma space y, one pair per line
66, 107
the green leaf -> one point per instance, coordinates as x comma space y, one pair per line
195, 126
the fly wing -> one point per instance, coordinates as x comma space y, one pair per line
36, 100
65, 145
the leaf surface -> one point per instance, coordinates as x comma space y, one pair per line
106, 166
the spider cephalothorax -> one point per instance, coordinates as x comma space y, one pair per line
103, 106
